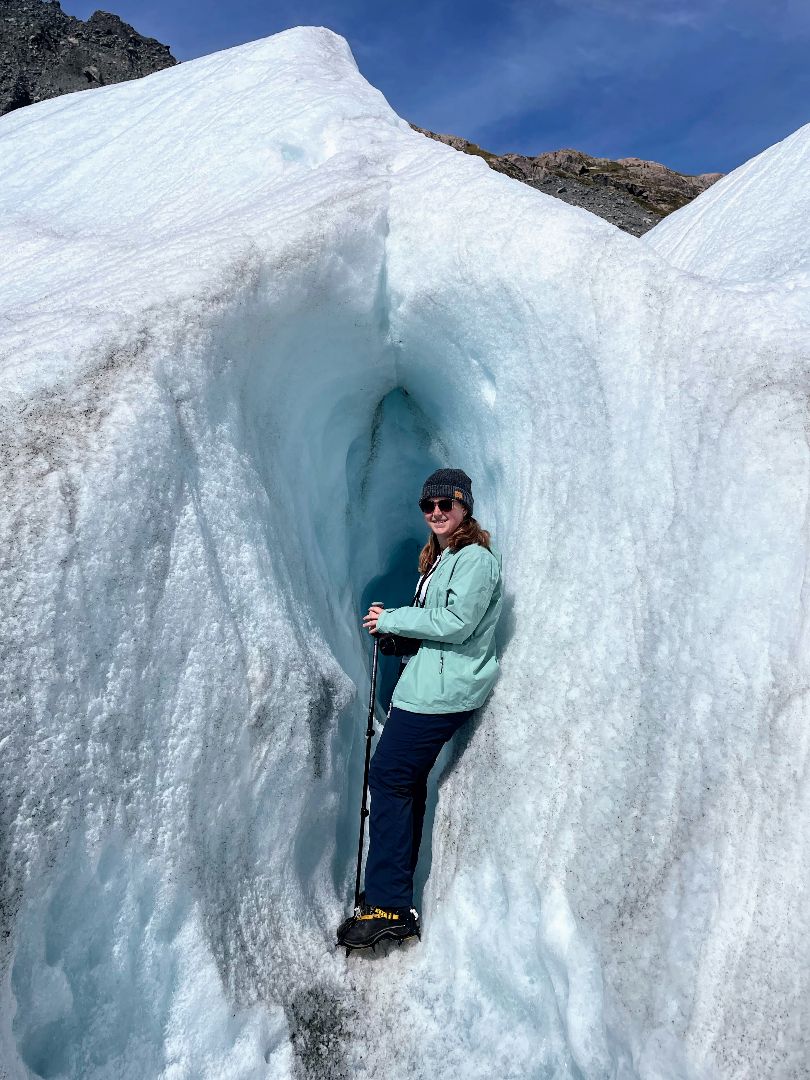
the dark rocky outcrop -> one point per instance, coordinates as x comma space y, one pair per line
630, 193
45, 53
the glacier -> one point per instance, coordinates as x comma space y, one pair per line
752, 225
245, 310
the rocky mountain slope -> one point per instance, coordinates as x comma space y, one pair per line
45, 52
630, 193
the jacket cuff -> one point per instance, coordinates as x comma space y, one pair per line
383, 622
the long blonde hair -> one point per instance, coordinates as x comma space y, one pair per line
468, 532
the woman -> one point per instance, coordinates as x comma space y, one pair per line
453, 615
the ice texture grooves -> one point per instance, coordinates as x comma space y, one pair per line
751, 225
245, 310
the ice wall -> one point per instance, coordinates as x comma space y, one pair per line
751, 225
247, 309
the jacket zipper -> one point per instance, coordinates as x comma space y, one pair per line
446, 604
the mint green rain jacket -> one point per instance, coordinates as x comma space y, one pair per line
457, 663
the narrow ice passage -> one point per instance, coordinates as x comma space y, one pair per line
250, 310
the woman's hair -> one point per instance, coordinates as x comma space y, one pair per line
468, 532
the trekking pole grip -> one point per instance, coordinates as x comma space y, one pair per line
374, 665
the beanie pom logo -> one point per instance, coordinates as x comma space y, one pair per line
458, 494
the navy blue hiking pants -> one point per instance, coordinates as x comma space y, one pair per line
407, 751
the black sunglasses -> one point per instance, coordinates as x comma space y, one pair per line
426, 505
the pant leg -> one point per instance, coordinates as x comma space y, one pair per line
419, 804
405, 754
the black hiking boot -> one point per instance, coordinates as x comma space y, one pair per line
358, 908
372, 924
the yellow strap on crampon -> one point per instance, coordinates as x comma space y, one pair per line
378, 913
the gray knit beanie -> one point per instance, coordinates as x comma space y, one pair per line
449, 484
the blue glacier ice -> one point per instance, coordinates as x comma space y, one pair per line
245, 310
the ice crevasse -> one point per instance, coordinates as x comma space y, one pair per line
245, 309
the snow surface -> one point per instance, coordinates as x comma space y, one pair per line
245, 309
749, 226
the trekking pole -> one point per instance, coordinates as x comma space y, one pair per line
369, 736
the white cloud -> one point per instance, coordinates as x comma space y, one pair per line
669, 12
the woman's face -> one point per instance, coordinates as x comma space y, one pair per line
443, 523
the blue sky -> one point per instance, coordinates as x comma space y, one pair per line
700, 85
